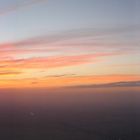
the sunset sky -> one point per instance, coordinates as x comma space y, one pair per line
56, 43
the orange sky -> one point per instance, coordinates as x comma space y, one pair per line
45, 53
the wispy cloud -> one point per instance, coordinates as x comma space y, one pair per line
19, 5
78, 40
54, 61
94, 81
108, 85
74, 34
34, 53
5, 73
87, 81
60, 75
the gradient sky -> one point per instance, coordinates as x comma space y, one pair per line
51, 43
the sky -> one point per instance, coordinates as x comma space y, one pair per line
51, 43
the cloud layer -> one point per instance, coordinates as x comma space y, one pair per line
22, 62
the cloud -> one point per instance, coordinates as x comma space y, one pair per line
34, 82
4, 73
18, 6
116, 84
73, 34
48, 62
56, 51
54, 61
93, 80
71, 41
126, 65
60, 75
77, 81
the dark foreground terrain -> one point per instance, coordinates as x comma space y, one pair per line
70, 114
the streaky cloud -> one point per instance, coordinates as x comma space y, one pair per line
18, 6
54, 61
72, 34
4, 73
77, 81
115, 84
60, 75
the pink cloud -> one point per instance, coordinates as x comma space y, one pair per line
54, 61
15, 7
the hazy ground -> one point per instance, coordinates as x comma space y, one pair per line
70, 114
